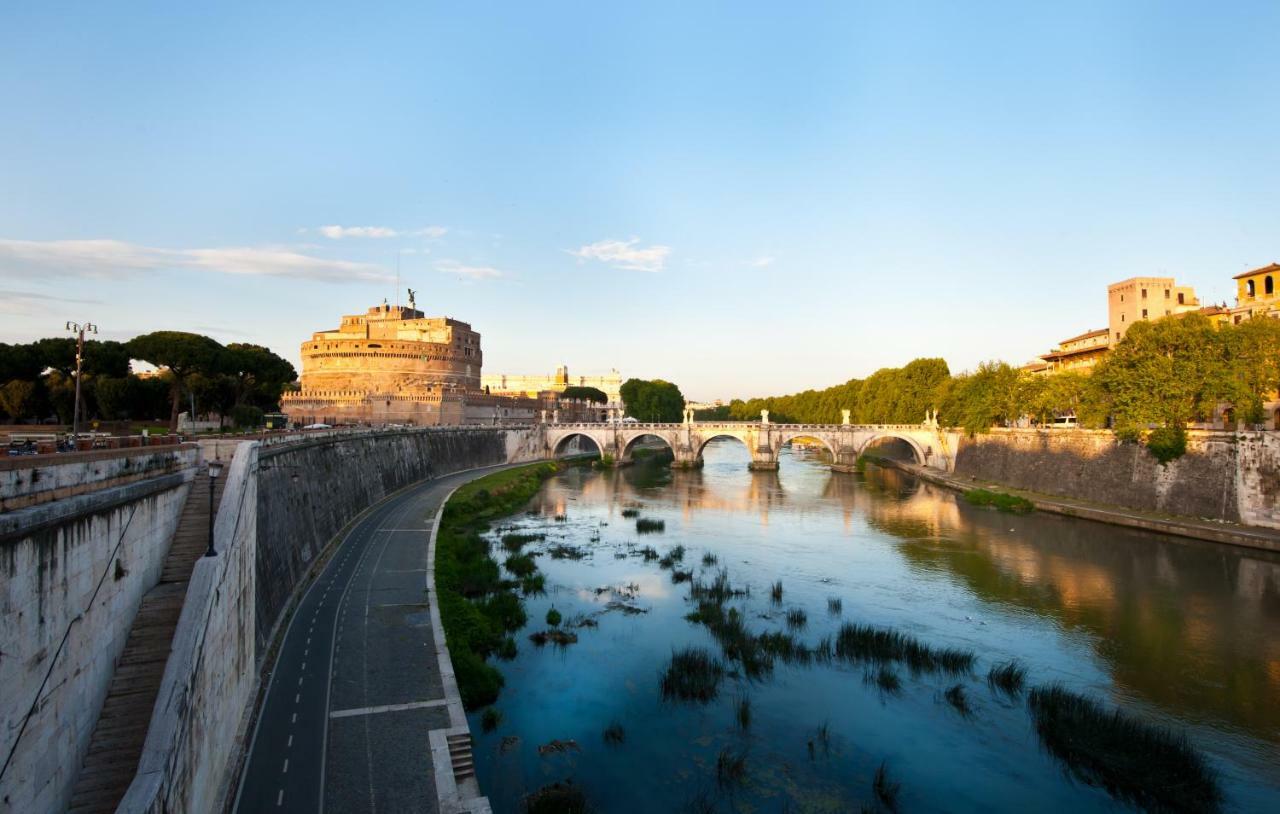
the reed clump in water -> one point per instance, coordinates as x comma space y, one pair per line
557, 798
1008, 677
649, 553
513, 542
885, 679
797, 618
719, 590
647, 525
614, 734
864, 643
709, 560
743, 712
1149, 766
835, 605
958, 699
630, 514
886, 790
522, 565
775, 592
731, 767
490, 719
1011, 504
692, 675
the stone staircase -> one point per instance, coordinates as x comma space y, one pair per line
116, 744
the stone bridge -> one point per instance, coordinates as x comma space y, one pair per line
933, 446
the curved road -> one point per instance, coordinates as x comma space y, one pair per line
356, 688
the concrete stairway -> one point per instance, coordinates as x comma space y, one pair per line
116, 745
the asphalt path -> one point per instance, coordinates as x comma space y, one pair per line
356, 688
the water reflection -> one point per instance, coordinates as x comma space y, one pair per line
1183, 632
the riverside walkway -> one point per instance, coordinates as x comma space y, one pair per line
357, 716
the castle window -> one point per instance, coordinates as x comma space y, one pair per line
1144, 293
1122, 317
1144, 313
1248, 288
1182, 298
372, 345
1268, 285
1166, 293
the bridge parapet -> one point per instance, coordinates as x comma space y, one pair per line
931, 444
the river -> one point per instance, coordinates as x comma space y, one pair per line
1173, 632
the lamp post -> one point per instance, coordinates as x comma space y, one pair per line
79, 329
215, 469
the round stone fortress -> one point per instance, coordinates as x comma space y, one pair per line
392, 349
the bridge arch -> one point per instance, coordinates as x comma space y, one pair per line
920, 454
630, 446
560, 447
707, 439
790, 438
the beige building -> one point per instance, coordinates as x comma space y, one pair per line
1078, 354
394, 365
1257, 294
1145, 298
532, 386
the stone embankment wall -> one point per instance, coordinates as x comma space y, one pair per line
1233, 476
284, 502
73, 573
211, 674
309, 491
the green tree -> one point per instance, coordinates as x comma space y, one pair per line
592, 394
652, 401
1165, 373
21, 398
1253, 348
260, 375
182, 355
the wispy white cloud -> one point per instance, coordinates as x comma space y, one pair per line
624, 254
470, 272
113, 259
763, 261
23, 303
336, 232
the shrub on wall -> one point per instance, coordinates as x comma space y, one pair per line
1167, 443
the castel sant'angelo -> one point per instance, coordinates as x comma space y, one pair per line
394, 365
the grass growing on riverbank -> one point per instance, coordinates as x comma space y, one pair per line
477, 608
1150, 766
1002, 502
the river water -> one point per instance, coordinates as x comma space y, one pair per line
1173, 632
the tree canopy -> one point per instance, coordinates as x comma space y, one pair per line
580, 393
652, 401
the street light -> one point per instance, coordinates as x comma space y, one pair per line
79, 330
215, 469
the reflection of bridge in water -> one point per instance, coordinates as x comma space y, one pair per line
930, 444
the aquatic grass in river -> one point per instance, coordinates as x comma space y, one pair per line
742, 711
522, 565
959, 701
678, 576
614, 734
796, 618
731, 767
886, 790
1149, 766
884, 678
775, 592
858, 643
513, 542
1007, 677
557, 798
553, 617
649, 553
490, 719
647, 525
630, 514
692, 675
709, 560
718, 590
835, 605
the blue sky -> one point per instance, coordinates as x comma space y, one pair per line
743, 198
